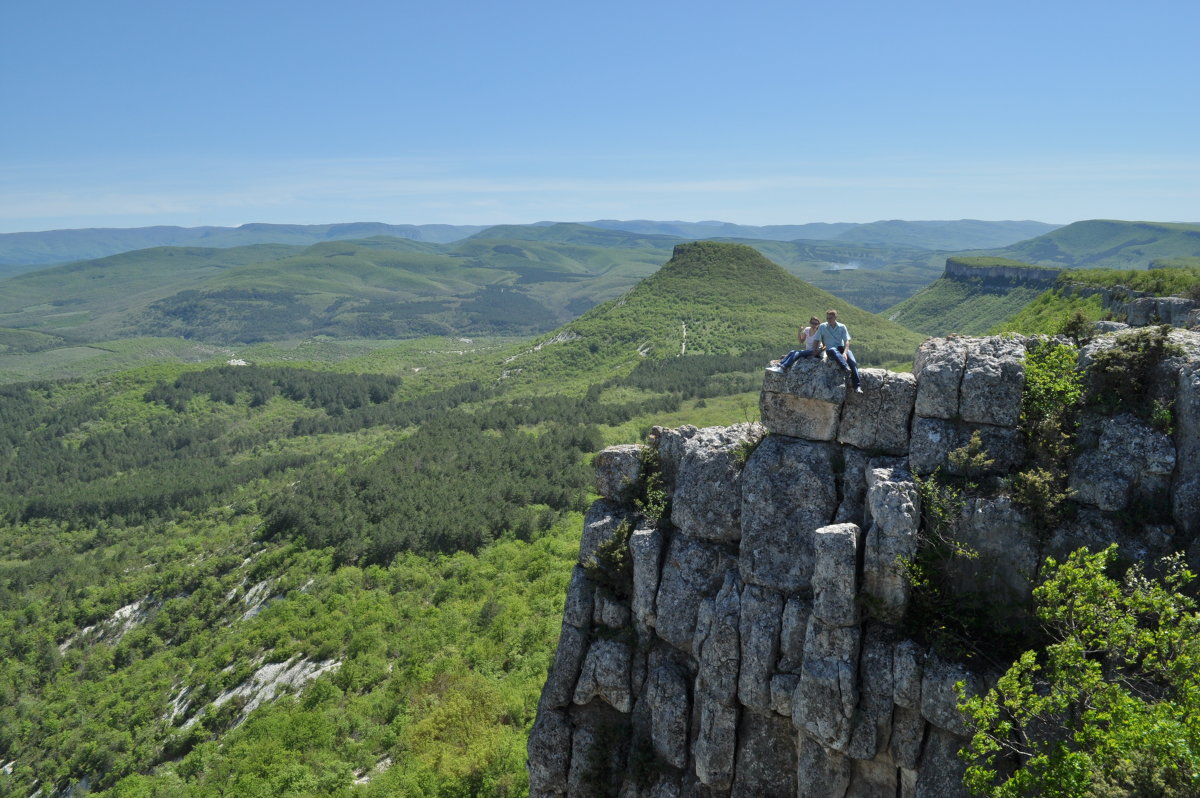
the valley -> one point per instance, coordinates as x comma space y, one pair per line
383, 499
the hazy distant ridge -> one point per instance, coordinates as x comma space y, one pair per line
59, 246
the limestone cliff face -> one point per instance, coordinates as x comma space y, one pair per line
1032, 275
749, 644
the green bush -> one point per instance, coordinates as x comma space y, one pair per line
1110, 706
1043, 493
1122, 377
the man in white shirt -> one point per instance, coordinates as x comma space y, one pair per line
836, 338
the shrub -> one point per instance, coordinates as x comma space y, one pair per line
1049, 400
653, 500
1078, 326
1109, 706
1122, 377
611, 567
1043, 493
971, 461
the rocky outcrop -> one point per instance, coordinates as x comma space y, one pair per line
1138, 308
757, 645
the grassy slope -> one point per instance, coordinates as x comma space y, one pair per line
968, 307
1108, 244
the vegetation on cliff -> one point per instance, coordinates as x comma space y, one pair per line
1111, 705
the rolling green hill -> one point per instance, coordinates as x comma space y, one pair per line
374, 288
946, 236
23, 251
504, 281
1110, 244
711, 298
89, 300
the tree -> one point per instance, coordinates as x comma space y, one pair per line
1111, 706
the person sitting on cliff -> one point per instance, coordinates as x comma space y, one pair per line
809, 346
836, 339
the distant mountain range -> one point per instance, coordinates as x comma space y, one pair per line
58, 246
506, 280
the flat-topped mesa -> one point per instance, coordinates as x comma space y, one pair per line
734, 626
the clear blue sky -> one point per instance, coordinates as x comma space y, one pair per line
127, 113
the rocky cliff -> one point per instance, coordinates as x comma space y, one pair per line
739, 622
965, 269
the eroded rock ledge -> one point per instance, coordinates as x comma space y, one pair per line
749, 644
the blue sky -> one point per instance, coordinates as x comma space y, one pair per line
128, 113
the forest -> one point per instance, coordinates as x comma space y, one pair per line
168, 533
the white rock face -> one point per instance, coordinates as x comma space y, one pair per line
757, 649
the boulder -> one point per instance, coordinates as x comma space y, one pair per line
826, 698
792, 631
803, 402
605, 675
834, 578
618, 470
992, 381
873, 778
933, 440
1128, 454
549, 750
707, 499
766, 750
788, 491
715, 748
564, 670
646, 545
895, 509
938, 369
717, 643
941, 771
939, 700
878, 419
873, 724
669, 706
1006, 553
820, 772
602, 521
692, 571
761, 617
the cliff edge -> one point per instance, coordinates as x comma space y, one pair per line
741, 621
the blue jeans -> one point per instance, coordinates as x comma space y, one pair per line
847, 362
793, 356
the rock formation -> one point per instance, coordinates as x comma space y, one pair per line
751, 642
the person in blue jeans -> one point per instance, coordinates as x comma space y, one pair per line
836, 338
809, 346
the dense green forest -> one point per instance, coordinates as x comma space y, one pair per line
170, 536
325, 579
